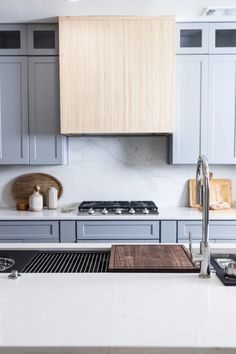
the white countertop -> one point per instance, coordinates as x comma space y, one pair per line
116, 313
178, 213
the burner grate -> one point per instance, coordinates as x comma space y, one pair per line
69, 262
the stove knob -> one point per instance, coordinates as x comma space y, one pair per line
145, 211
90, 211
104, 211
132, 211
118, 211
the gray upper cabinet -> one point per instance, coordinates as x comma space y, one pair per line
13, 40
206, 91
222, 38
191, 108
29, 119
14, 142
192, 38
46, 145
42, 39
222, 110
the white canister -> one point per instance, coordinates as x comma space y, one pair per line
52, 198
36, 200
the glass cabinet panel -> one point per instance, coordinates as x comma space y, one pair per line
190, 38
222, 38
44, 39
9, 39
225, 38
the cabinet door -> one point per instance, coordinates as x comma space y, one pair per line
219, 231
14, 145
192, 38
222, 110
47, 146
13, 40
222, 38
118, 230
42, 39
29, 230
191, 108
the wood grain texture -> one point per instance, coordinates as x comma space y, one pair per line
117, 74
150, 258
220, 190
23, 186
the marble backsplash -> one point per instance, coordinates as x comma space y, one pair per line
117, 168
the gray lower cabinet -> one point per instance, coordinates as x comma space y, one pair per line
168, 231
14, 140
220, 231
29, 231
165, 231
68, 231
47, 146
121, 230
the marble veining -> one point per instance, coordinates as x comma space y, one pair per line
109, 168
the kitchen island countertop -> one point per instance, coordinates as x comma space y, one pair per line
171, 213
116, 313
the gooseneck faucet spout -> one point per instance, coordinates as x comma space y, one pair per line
202, 198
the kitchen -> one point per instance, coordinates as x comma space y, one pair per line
129, 155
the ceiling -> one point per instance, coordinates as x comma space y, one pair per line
12, 11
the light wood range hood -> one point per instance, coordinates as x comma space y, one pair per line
117, 75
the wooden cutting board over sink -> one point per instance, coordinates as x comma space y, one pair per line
151, 258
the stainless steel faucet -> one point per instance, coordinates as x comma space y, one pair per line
202, 198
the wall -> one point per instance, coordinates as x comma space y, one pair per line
12, 11
109, 168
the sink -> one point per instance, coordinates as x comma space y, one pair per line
55, 261
219, 262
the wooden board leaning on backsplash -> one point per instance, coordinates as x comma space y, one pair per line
23, 186
220, 190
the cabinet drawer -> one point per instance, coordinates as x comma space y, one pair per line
222, 38
117, 230
219, 230
30, 240
10, 241
13, 40
26, 230
192, 38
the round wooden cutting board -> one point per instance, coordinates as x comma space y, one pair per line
23, 186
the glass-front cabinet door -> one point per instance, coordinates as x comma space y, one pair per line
42, 39
12, 39
222, 38
192, 38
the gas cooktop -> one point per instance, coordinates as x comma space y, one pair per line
118, 207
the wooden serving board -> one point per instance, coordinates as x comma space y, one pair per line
23, 186
151, 258
220, 190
